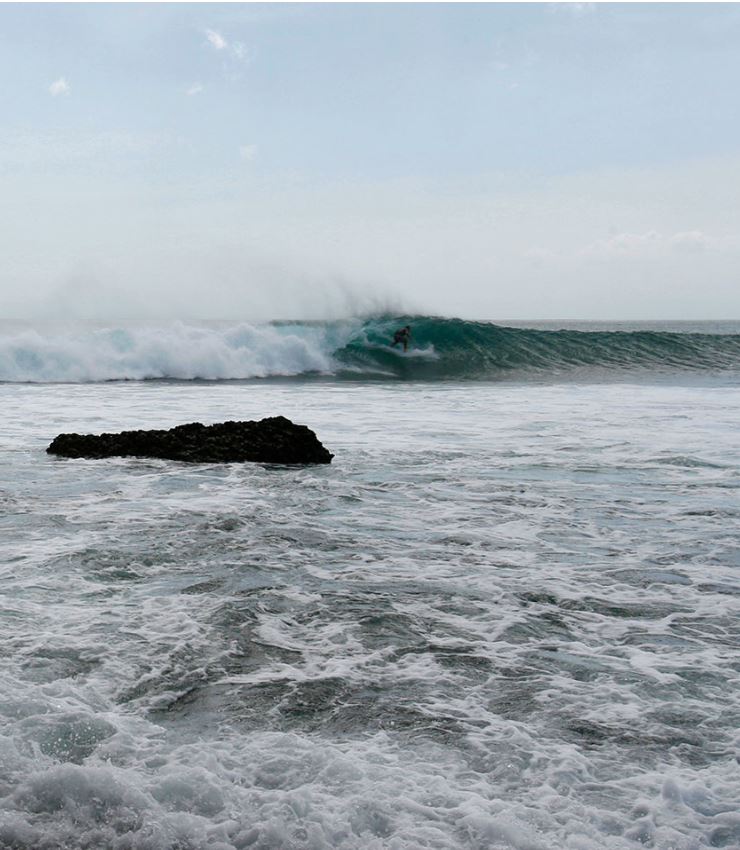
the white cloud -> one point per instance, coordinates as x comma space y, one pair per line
196, 88
625, 243
248, 152
60, 86
692, 241
216, 39
236, 51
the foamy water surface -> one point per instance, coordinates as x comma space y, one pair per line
506, 616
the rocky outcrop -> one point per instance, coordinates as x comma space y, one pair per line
272, 440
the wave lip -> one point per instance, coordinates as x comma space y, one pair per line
441, 349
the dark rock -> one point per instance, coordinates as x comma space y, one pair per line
272, 440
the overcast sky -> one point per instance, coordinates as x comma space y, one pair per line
253, 161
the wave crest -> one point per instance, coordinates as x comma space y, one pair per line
358, 348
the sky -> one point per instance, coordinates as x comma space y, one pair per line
255, 161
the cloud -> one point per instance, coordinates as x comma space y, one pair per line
60, 86
248, 152
626, 243
692, 241
216, 39
236, 51
196, 88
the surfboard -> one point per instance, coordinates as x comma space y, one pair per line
427, 353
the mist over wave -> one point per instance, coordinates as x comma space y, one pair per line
358, 348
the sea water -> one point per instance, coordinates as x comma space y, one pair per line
505, 616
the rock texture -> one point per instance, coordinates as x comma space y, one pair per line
272, 440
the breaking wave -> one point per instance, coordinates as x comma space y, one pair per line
359, 349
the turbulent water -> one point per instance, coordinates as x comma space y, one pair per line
505, 616
440, 349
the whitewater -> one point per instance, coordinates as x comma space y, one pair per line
353, 348
504, 618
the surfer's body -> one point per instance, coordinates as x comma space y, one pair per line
402, 336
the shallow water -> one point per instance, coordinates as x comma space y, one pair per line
506, 616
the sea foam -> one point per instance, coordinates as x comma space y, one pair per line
441, 349
176, 350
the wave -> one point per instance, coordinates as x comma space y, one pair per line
358, 349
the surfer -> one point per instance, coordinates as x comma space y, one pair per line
402, 336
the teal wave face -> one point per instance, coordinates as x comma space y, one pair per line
454, 349
357, 349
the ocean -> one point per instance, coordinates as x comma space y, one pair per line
505, 616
